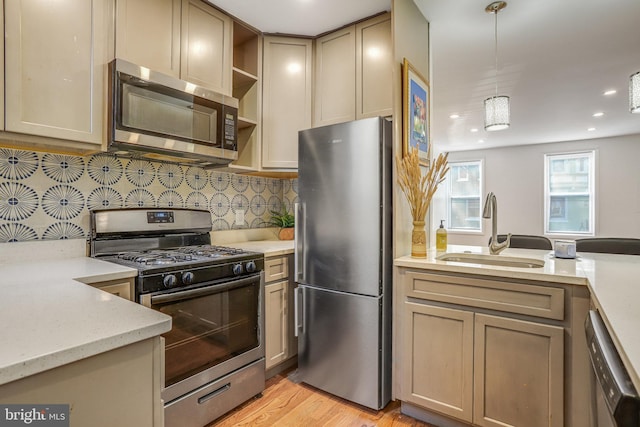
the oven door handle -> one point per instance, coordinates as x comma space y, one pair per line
203, 291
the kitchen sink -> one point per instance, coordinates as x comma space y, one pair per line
498, 260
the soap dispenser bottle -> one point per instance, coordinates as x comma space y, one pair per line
441, 238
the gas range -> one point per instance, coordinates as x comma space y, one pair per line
170, 248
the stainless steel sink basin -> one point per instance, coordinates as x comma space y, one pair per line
498, 260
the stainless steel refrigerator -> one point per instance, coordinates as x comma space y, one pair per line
343, 260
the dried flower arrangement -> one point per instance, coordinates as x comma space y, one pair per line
419, 189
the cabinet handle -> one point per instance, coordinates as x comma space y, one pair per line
214, 393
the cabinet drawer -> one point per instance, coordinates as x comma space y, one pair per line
121, 288
521, 298
276, 268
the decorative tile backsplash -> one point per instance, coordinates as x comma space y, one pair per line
48, 196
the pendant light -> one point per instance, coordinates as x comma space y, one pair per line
496, 108
634, 93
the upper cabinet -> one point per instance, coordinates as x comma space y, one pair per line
1, 67
353, 72
55, 63
286, 99
206, 46
187, 39
148, 34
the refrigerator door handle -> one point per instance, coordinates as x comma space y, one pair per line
298, 259
296, 310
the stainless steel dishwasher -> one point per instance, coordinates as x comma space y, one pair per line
615, 401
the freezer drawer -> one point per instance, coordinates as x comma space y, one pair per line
340, 345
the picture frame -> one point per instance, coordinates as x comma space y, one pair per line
415, 112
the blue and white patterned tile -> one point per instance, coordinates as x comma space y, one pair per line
220, 181
196, 200
140, 198
16, 164
170, 176
62, 202
219, 205
258, 205
63, 169
104, 198
17, 201
258, 184
240, 183
196, 178
16, 232
274, 186
239, 202
63, 231
140, 173
105, 169
170, 199
220, 224
274, 204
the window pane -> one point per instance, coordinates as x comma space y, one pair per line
569, 193
465, 186
569, 175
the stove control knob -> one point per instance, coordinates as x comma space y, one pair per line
237, 269
250, 267
187, 278
169, 281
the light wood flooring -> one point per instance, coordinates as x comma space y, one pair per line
285, 403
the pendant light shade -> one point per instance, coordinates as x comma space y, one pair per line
634, 93
496, 113
496, 108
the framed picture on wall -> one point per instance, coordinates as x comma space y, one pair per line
415, 112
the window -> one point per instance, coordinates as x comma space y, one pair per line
569, 193
464, 196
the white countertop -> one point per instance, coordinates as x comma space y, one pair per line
613, 280
50, 319
268, 247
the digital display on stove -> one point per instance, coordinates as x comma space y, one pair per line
159, 217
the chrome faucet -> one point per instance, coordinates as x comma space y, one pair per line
490, 210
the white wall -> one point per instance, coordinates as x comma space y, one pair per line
516, 176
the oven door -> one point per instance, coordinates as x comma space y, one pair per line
216, 329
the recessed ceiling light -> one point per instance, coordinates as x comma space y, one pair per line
474, 130
454, 116
610, 92
481, 141
598, 114
591, 129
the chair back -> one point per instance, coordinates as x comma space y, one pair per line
525, 241
609, 245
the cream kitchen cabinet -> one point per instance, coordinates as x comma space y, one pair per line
122, 288
148, 34
187, 39
280, 344
2, 67
491, 352
55, 69
286, 105
120, 387
353, 72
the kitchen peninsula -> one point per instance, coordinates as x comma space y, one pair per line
503, 335
65, 342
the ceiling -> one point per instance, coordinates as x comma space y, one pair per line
556, 58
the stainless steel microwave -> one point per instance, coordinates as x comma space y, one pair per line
160, 117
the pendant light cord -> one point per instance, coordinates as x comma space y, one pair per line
496, 47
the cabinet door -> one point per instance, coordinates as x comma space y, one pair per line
206, 46
286, 99
335, 78
276, 325
438, 359
2, 67
518, 373
56, 56
373, 67
148, 34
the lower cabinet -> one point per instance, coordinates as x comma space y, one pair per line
120, 387
280, 342
490, 367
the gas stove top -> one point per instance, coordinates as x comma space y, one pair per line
145, 260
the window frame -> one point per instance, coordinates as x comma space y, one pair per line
591, 193
448, 198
